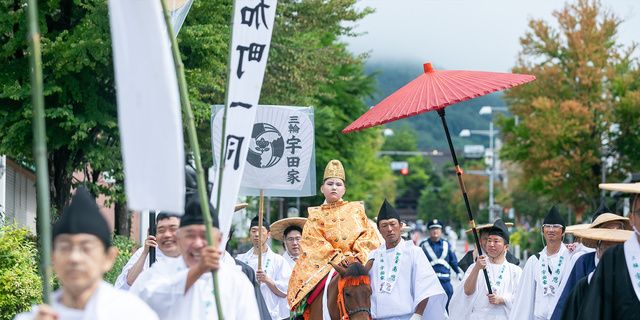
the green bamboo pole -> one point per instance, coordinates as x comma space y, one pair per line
40, 150
195, 148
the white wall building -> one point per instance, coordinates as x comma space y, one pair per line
17, 194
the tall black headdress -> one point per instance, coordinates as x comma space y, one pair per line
500, 229
193, 212
387, 211
554, 217
82, 215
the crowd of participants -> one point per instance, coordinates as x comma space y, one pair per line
596, 277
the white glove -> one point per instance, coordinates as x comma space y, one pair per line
416, 316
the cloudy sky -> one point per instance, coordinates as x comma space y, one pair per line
464, 34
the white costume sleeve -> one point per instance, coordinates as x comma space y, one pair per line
121, 281
461, 305
523, 303
282, 276
427, 285
248, 308
516, 275
160, 292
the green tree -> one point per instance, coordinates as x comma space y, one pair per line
566, 112
78, 79
625, 88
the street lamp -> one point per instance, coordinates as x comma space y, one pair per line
488, 110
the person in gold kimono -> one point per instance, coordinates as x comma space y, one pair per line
337, 232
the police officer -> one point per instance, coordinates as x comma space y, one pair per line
441, 256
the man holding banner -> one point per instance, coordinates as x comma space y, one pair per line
164, 240
273, 274
181, 289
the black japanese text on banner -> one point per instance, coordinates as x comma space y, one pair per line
250, 42
149, 116
280, 150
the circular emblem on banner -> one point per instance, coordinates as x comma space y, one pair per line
267, 146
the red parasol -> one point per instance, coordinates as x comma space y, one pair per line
434, 90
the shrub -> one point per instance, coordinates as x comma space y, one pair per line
126, 248
20, 284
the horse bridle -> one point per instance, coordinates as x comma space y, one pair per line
348, 313
358, 310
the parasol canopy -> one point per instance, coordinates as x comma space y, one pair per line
434, 90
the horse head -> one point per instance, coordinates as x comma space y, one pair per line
354, 292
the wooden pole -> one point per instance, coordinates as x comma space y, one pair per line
195, 148
40, 150
260, 219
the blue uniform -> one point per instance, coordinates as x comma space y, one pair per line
442, 262
584, 265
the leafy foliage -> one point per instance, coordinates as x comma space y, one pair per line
125, 247
79, 92
20, 285
567, 112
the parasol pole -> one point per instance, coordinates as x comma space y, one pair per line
260, 219
195, 148
460, 172
40, 150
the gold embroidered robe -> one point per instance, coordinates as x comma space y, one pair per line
332, 232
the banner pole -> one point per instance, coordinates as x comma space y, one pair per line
195, 148
40, 150
260, 219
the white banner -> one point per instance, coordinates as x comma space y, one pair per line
149, 115
280, 150
178, 9
250, 42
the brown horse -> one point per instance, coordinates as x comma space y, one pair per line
348, 295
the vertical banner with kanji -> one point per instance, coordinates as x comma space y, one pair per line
149, 116
280, 161
250, 42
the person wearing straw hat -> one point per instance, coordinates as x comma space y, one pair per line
273, 274
82, 253
599, 239
472, 299
441, 256
336, 232
585, 264
289, 231
403, 283
471, 255
614, 290
183, 288
544, 274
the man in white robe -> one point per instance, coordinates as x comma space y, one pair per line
273, 275
164, 241
289, 231
472, 299
183, 289
544, 275
82, 253
403, 283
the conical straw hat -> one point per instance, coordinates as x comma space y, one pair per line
278, 227
590, 237
621, 187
